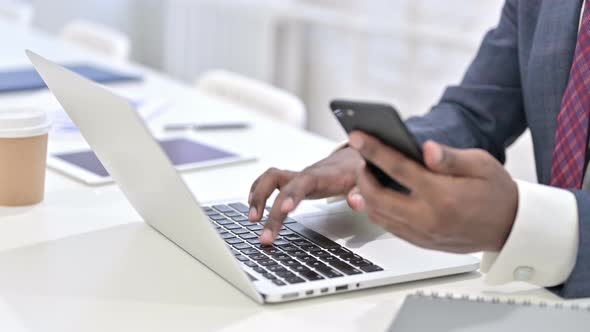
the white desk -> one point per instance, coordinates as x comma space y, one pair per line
83, 260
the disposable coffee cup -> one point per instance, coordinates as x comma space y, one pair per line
23, 155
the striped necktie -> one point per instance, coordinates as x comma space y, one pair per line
571, 138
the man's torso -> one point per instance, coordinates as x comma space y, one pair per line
547, 34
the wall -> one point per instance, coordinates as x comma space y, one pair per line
140, 19
404, 52
52, 15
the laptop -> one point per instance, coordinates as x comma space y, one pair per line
315, 255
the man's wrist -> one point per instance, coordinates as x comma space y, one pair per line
504, 233
340, 146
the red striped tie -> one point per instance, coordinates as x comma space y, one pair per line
571, 139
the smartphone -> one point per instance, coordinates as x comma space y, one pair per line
383, 122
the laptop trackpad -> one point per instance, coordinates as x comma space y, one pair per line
350, 229
354, 231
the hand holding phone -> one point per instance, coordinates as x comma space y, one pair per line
383, 122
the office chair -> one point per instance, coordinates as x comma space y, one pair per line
17, 11
258, 96
98, 38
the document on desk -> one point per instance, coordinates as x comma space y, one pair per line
429, 313
148, 108
27, 79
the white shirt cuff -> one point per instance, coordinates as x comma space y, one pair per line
543, 244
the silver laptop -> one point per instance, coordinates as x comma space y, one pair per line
315, 255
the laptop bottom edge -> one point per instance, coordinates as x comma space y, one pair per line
350, 284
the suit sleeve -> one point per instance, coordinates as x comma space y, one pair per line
578, 282
486, 109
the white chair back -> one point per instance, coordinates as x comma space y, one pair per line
98, 38
256, 95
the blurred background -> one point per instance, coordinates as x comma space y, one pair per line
400, 51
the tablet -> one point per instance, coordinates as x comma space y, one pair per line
185, 154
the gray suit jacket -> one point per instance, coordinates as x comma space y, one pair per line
517, 81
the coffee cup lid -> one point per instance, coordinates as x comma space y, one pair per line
23, 122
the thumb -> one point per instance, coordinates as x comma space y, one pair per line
450, 161
355, 200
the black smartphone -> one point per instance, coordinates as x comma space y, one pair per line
383, 122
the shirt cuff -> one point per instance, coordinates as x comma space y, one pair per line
543, 244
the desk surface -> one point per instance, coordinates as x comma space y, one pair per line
83, 260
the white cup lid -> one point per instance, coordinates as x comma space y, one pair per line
23, 122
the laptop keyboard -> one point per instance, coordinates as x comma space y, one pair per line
298, 255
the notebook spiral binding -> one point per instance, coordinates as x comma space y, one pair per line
495, 300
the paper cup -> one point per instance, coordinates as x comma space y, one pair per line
23, 155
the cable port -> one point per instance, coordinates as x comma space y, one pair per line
341, 288
289, 296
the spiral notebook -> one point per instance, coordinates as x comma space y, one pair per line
429, 312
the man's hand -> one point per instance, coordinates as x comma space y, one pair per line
335, 175
464, 202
